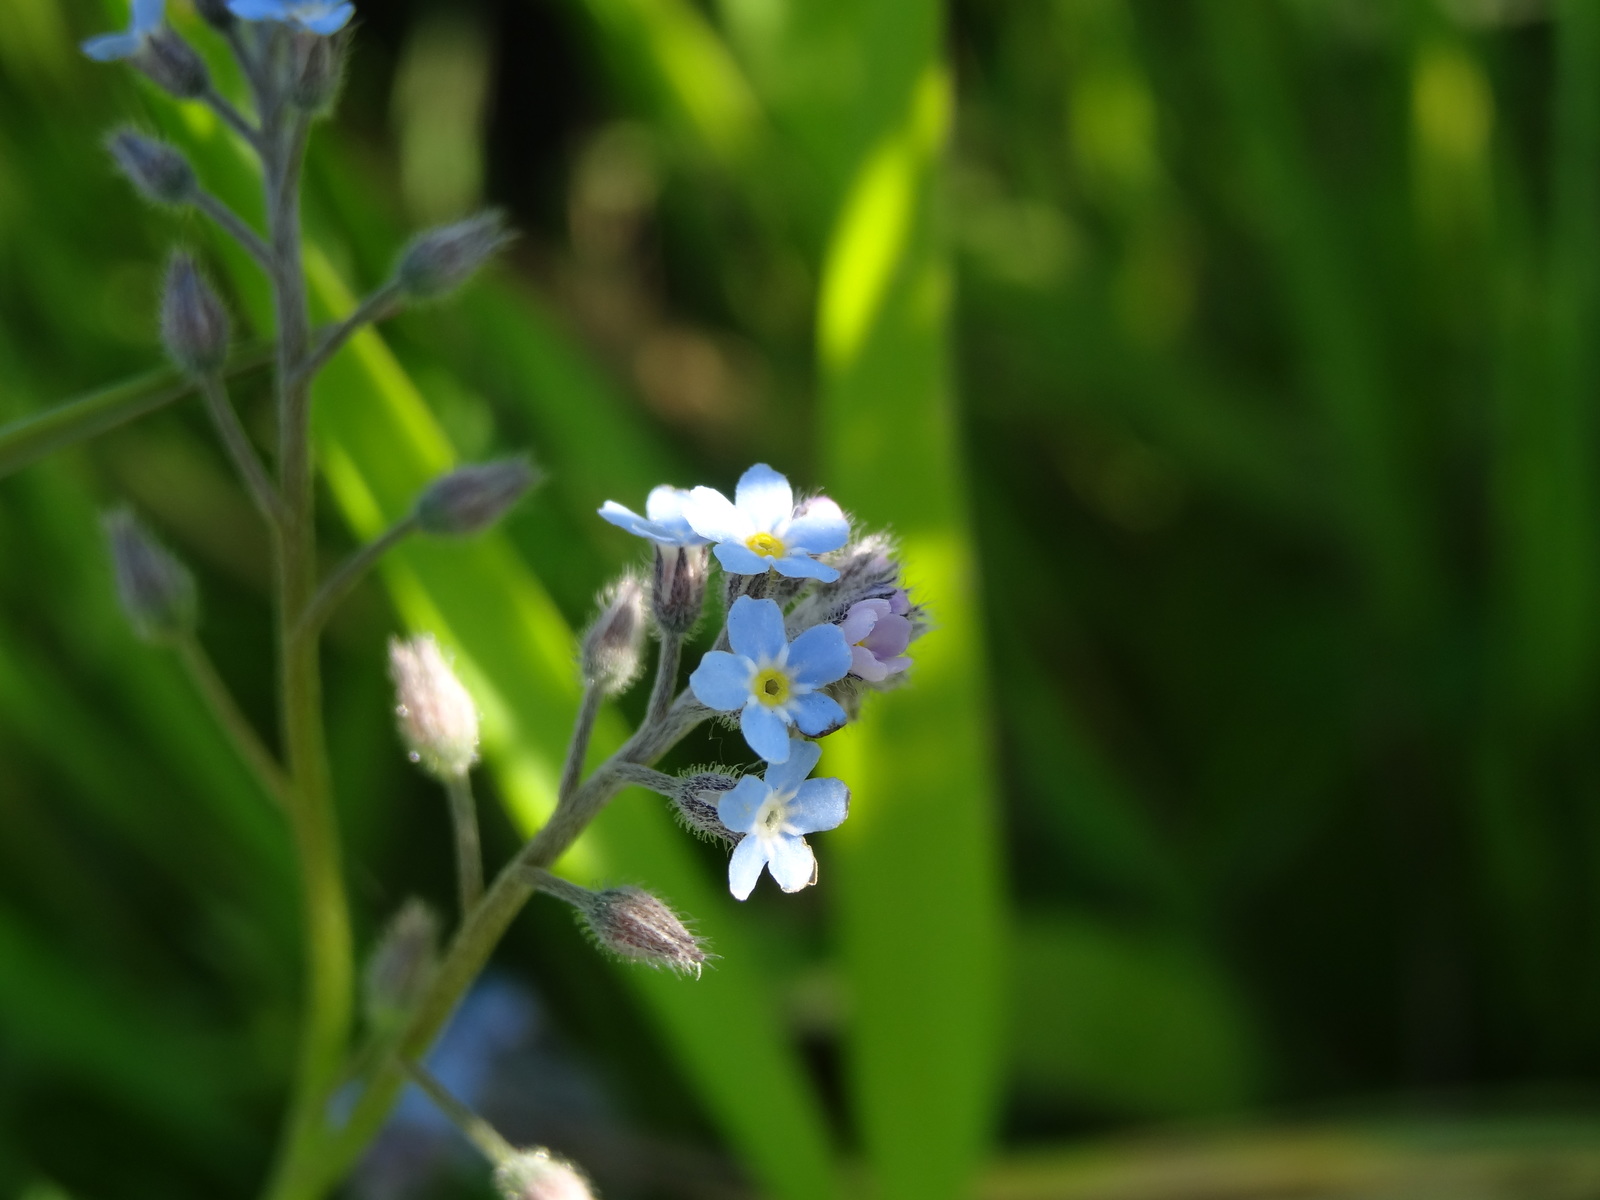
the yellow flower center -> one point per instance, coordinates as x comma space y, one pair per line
765, 545
771, 687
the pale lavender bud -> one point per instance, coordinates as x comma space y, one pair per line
695, 805
613, 648
441, 260
194, 325
438, 721
472, 498
678, 587
172, 64
631, 923
540, 1175
402, 964
160, 173
156, 590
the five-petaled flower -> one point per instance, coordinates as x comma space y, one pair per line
771, 681
663, 522
774, 813
878, 632
146, 19
318, 16
760, 529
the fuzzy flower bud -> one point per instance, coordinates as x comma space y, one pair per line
401, 965
695, 805
194, 325
540, 1175
172, 64
317, 64
472, 498
678, 587
441, 260
161, 173
631, 923
156, 590
613, 648
438, 721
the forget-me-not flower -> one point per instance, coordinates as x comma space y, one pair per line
663, 522
759, 530
146, 19
878, 631
318, 16
771, 681
774, 813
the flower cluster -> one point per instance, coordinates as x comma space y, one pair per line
813, 621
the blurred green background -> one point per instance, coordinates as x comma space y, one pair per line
1229, 371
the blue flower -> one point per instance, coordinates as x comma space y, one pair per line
319, 16
146, 19
771, 680
760, 529
773, 813
663, 523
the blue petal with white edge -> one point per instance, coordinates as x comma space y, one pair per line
819, 804
744, 868
722, 680
819, 655
626, 518
766, 731
737, 559
765, 497
796, 567
737, 809
791, 862
816, 713
786, 777
821, 528
755, 630
109, 47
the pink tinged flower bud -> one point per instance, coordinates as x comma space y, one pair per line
613, 648
878, 637
470, 499
540, 1175
172, 65
438, 721
441, 260
402, 965
194, 324
631, 923
156, 590
678, 587
160, 173
695, 805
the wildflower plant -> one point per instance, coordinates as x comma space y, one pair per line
811, 617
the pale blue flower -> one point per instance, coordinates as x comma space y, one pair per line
146, 19
760, 530
318, 16
772, 682
663, 522
774, 813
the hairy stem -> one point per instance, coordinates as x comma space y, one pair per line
578, 748
232, 224
349, 573
241, 733
469, 854
665, 686
232, 117
484, 1137
379, 306
237, 443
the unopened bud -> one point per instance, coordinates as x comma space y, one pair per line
161, 173
540, 1175
215, 13
613, 648
441, 260
318, 66
194, 325
156, 590
173, 65
678, 587
631, 923
472, 498
438, 721
401, 965
695, 804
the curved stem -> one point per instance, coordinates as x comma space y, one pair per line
246, 741
232, 117
349, 573
485, 1138
578, 748
379, 306
665, 686
232, 224
469, 852
237, 443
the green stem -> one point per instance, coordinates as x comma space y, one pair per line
351, 572
665, 686
246, 741
469, 853
237, 443
484, 1137
379, 306
578, 748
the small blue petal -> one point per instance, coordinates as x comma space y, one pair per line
108, 47
765, 497
665, 507
766, 731
258, 10
797, 566
819, 655
722, 680
791, 862
741, 560
786, 777
744, 868
625, 518
816, 713
819, 804
755, 629
738, 808
820, 529
331, 21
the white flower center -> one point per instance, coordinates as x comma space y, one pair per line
770, 817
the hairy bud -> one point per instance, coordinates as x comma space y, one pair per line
678, 587
472, 498
631, 923
695, 805
438, 721
441, 260
161, 173
401, 965
613, 647
194, 325
156, 590
317, 66
173, 65
540, 1175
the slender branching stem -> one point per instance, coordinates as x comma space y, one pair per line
665, 686
485, 1138
232, 117
379, 306
232, 224
578, 748
352, 571
553, 885
469, 852
241, 733
237, 443
639, 775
